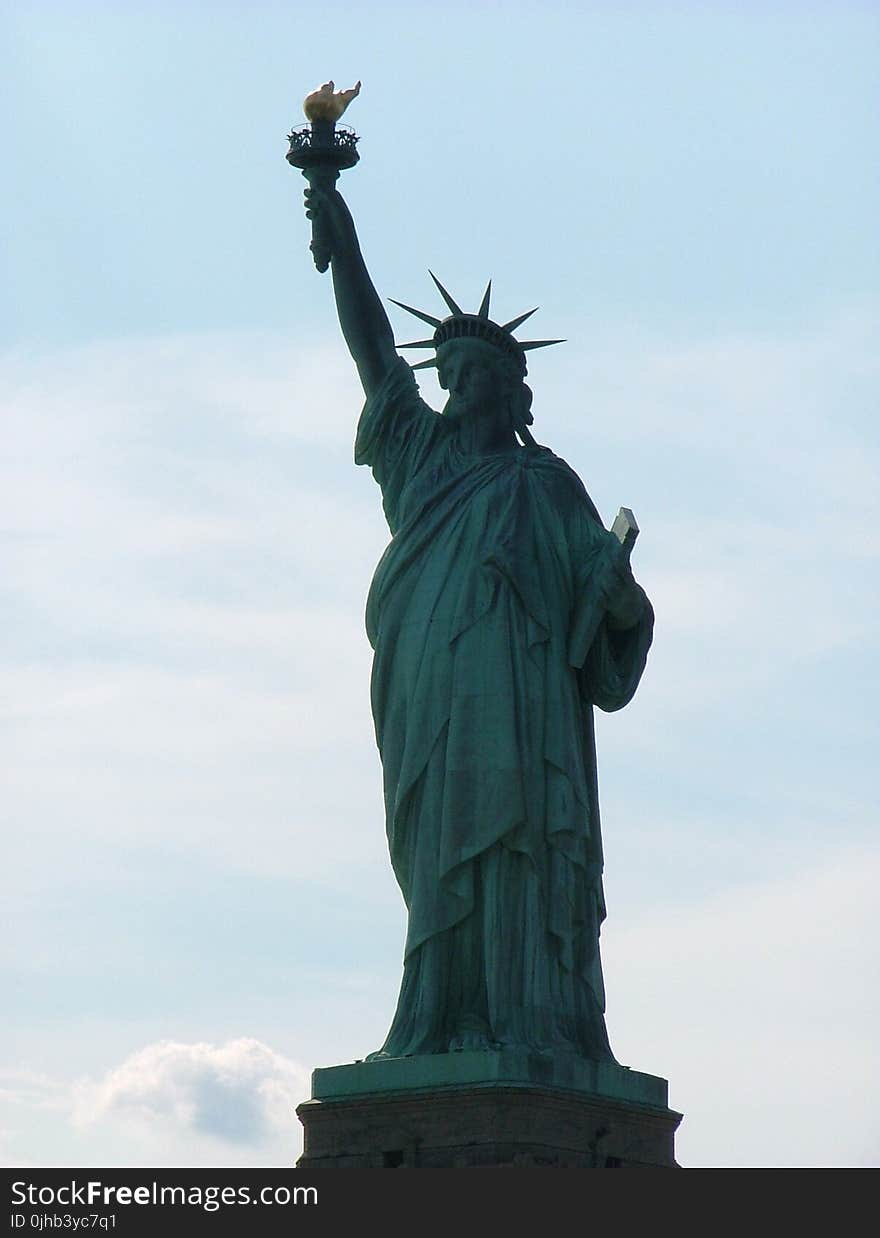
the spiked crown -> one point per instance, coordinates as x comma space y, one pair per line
479, 326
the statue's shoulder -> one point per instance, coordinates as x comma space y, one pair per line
559, 479
395, 418
398, 385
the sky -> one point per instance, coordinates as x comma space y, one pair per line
199, 904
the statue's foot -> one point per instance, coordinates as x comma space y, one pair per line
471, 1034
468, 1040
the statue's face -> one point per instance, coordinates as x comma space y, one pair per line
471, 371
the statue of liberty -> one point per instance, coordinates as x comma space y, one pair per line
500, 614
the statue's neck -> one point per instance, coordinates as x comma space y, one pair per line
484, 436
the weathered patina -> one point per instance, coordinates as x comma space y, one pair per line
500, 614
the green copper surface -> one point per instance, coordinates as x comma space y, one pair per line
500, 614
504, 1068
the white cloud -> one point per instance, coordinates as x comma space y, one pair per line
241, 1092
168, 1104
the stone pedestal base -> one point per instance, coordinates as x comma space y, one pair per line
509, 1109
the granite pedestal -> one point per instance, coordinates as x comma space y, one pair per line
505, 1109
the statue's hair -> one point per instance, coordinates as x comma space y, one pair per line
519, 397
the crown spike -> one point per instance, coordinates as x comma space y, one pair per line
529, 344
432, 322
417, 344
425, 365
518, 322
454, 309
483, 311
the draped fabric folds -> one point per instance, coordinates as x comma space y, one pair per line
490, 649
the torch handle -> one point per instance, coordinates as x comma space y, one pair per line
321, 178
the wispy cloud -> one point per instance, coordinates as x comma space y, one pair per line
184, 576
32, 1087
760, 1003
187, 549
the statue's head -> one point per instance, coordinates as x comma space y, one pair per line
484, 381
480, 362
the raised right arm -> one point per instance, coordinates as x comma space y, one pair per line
364, 323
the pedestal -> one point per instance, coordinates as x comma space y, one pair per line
510, 1109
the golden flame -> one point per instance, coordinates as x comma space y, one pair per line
323, 104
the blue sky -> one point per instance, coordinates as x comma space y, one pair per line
201, 902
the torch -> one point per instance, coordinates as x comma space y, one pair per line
321, 151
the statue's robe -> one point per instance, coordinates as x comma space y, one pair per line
491, 648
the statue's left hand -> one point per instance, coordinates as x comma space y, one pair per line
624, 599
